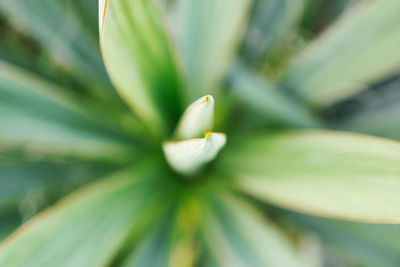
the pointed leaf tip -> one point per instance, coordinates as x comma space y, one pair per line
188, 156
198, 118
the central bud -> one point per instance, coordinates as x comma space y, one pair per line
194, 144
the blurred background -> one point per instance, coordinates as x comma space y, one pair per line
57, 40
55, 44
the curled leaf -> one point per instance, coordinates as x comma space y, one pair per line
198, 118
188, 156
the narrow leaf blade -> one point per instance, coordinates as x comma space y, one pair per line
66, 36
353, 243
268, 100
155, 248
210, 35
38, 114
140, 61
86, 228
269, 22
237, 235
360, 48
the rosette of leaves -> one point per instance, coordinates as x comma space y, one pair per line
171, 191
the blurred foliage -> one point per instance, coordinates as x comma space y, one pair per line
271, 65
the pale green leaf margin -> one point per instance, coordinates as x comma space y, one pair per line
324, 173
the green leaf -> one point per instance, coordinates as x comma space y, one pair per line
374, 112
40, 115
23, 179
187, 245
32, 81
380, 121
139, 59
341, 175
9, 221
29, 185
318, 14
64, 35
357, 244
270, 20
89, 227
360, 48
188, 156
155, 249
174, 240
269, 101
237, 235
56, 26
86, 15
197, 119
211, 32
